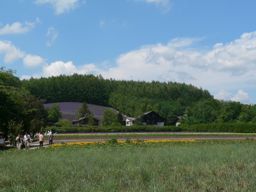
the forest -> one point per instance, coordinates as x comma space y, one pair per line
170, 99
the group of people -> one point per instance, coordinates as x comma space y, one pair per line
23, 141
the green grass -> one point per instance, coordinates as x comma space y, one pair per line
203, 166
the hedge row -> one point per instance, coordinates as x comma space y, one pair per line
90, 129
214, 127
222, 127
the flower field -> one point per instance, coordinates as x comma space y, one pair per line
122, 142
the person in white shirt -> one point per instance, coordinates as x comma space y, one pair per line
41, 139
27, 140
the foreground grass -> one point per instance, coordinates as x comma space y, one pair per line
208, 166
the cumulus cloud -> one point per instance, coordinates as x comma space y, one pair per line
51, 35
67, 68
230, 66
17, 28
33, 60
11, 53
241, 96
222, 67
225, 69
223, 95
60, 6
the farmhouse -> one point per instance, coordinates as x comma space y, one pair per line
128, 121
151, 118
69, 111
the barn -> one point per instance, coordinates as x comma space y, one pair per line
151, 118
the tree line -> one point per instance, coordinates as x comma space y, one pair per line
173, 101
129, 97
21, 102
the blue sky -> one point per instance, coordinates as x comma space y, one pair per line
210, 44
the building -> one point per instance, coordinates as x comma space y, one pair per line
128, 121
151, 118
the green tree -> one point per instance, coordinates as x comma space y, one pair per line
19, 110
229, 112
54, 113
205, 111
83, 111
110, 118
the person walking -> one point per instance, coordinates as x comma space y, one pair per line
27, 140
50, 137
18, 141
41, 139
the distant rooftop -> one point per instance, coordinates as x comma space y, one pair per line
70, 109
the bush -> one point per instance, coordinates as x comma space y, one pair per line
221, 127
112, 141
90, 129
213, 127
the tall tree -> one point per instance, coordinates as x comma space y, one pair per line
54, 113
110, 118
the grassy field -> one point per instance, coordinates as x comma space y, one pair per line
200, 166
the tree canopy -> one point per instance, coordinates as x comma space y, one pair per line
20, 111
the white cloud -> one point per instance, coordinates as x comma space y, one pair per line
241, 96
11, 53
67, 68
32, 60
51, 35
164, 4
158, 2
226, 70
223, 95
60, 6
227, 66
17, 27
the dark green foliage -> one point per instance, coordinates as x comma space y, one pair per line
117, 128
54, 114
113, 141
8, 79
110, 118
63, 123
173, 101
83, 111
129, 97
235, 127
20, 112
230, 111
204, 111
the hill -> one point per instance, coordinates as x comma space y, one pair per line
129, 97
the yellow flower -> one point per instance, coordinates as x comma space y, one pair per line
124, 142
